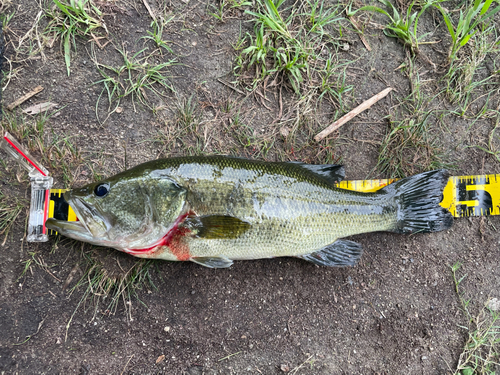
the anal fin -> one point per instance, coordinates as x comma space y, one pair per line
341, 253
213, 262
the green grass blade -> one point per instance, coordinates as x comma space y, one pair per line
485, 7
447, 20
67, 51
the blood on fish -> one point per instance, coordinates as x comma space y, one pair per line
172, 240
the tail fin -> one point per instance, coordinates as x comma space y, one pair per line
418, 199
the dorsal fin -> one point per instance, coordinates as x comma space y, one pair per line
333, 173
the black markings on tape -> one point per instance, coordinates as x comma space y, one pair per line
476, 201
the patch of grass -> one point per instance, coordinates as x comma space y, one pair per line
28, 130
25, 46
493, 139
461, 78
183, 132
402, 27
5, 18
220, 11
409, 146
187, 115
412, 144
56, 151
467, 24
10, 208
298, 47
156, 35
137, 77
63, 156
481, 352
288, 44
104, 285
256, 143
72, 18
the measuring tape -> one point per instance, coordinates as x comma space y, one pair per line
463, 196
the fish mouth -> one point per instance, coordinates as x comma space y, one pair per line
90, 227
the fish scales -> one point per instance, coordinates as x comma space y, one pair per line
288, 213
213, 210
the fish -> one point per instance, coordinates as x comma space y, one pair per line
213, 210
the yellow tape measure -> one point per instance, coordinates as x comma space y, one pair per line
463, 196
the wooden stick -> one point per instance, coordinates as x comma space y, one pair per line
356, 111
146, 4
23, 98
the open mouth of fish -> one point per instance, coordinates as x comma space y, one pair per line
91, 226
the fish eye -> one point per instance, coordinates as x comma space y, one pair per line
101, 190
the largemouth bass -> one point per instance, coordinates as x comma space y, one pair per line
213, 210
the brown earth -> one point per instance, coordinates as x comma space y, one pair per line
395, 312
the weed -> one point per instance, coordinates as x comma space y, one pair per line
467, 24
69, 18
401, 27
63, 156
183, 132
284, 49
290, 46
320, 17
411, 145
57, 151
220, 11
28, 129
187, 113
10, 208
133, 78
460, 83
5, 18
490, 148
101, 284
157, 34
481, 351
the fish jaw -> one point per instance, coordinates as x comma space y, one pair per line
75, 230
90, 227
95, 223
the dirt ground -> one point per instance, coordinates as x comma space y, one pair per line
396, 312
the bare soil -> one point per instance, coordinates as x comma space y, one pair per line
395, 312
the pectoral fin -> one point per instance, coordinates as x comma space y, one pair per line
341, 253
216, 226
213, 262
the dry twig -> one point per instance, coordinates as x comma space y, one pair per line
23, 98
356, 111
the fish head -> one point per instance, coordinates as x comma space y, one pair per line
122, 212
